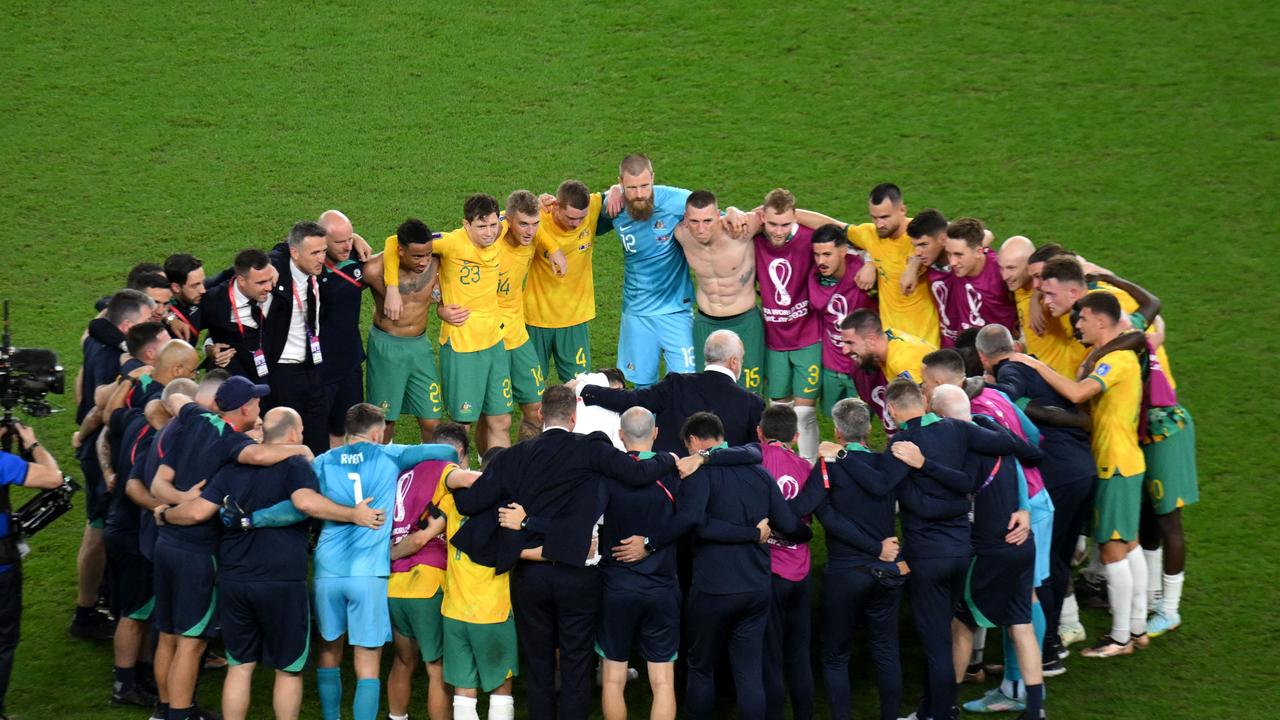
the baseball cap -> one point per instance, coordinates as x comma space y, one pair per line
235, 391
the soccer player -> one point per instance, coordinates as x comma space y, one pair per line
1053, 345
885, 240
1067, 468
341, 295
185, 273
480, 647
724, 266
516, 252
977, 294
402, 375
416, 587
657, 293
876, 346
793, 362
185, 557
786, 635
558, 304
352, 564
473, 357
262, 575
928, 233
1114, 390
833, 296
998, 585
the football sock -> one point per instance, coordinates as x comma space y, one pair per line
1070, 611
464, 708
179, 713
502, 707
808, 445
1155, 567
368, 696
329, 688
1138, 600
1120, 597
1035, 701
125, 679
1172, 594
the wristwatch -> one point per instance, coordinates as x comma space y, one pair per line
524, 522
648, 546
841, 454
170, 317
705, 453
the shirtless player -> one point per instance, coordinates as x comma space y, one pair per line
725, 267
402, 370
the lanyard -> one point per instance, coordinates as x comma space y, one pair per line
670, 497
235, 310
133, 452
665, 490
183, 316
995, 470
826, 479
343, 275
297, 299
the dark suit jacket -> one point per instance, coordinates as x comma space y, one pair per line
283, 306
556, 475
216, 308
680, 395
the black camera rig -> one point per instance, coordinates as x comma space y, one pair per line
27, 376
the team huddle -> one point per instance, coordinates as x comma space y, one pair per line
255, 495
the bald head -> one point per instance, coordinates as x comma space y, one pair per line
637, 429
338, 234
1013, 257
724, 348
175, 359
951, 401
281, 425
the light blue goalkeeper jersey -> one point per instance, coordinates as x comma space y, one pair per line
348, 475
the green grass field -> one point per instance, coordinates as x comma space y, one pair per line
1142, 135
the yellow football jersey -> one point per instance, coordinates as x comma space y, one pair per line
1129, 306
1115, 415
904, 354
556, 302
513, 269
1057, 347
421, 581
913, 314
469, 277
473, 593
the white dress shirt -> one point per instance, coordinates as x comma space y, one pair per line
295, 344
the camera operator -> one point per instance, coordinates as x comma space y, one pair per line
43, 473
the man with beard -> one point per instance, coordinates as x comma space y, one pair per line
657, 294
885, 240
185, 274
233, 313
874, 346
